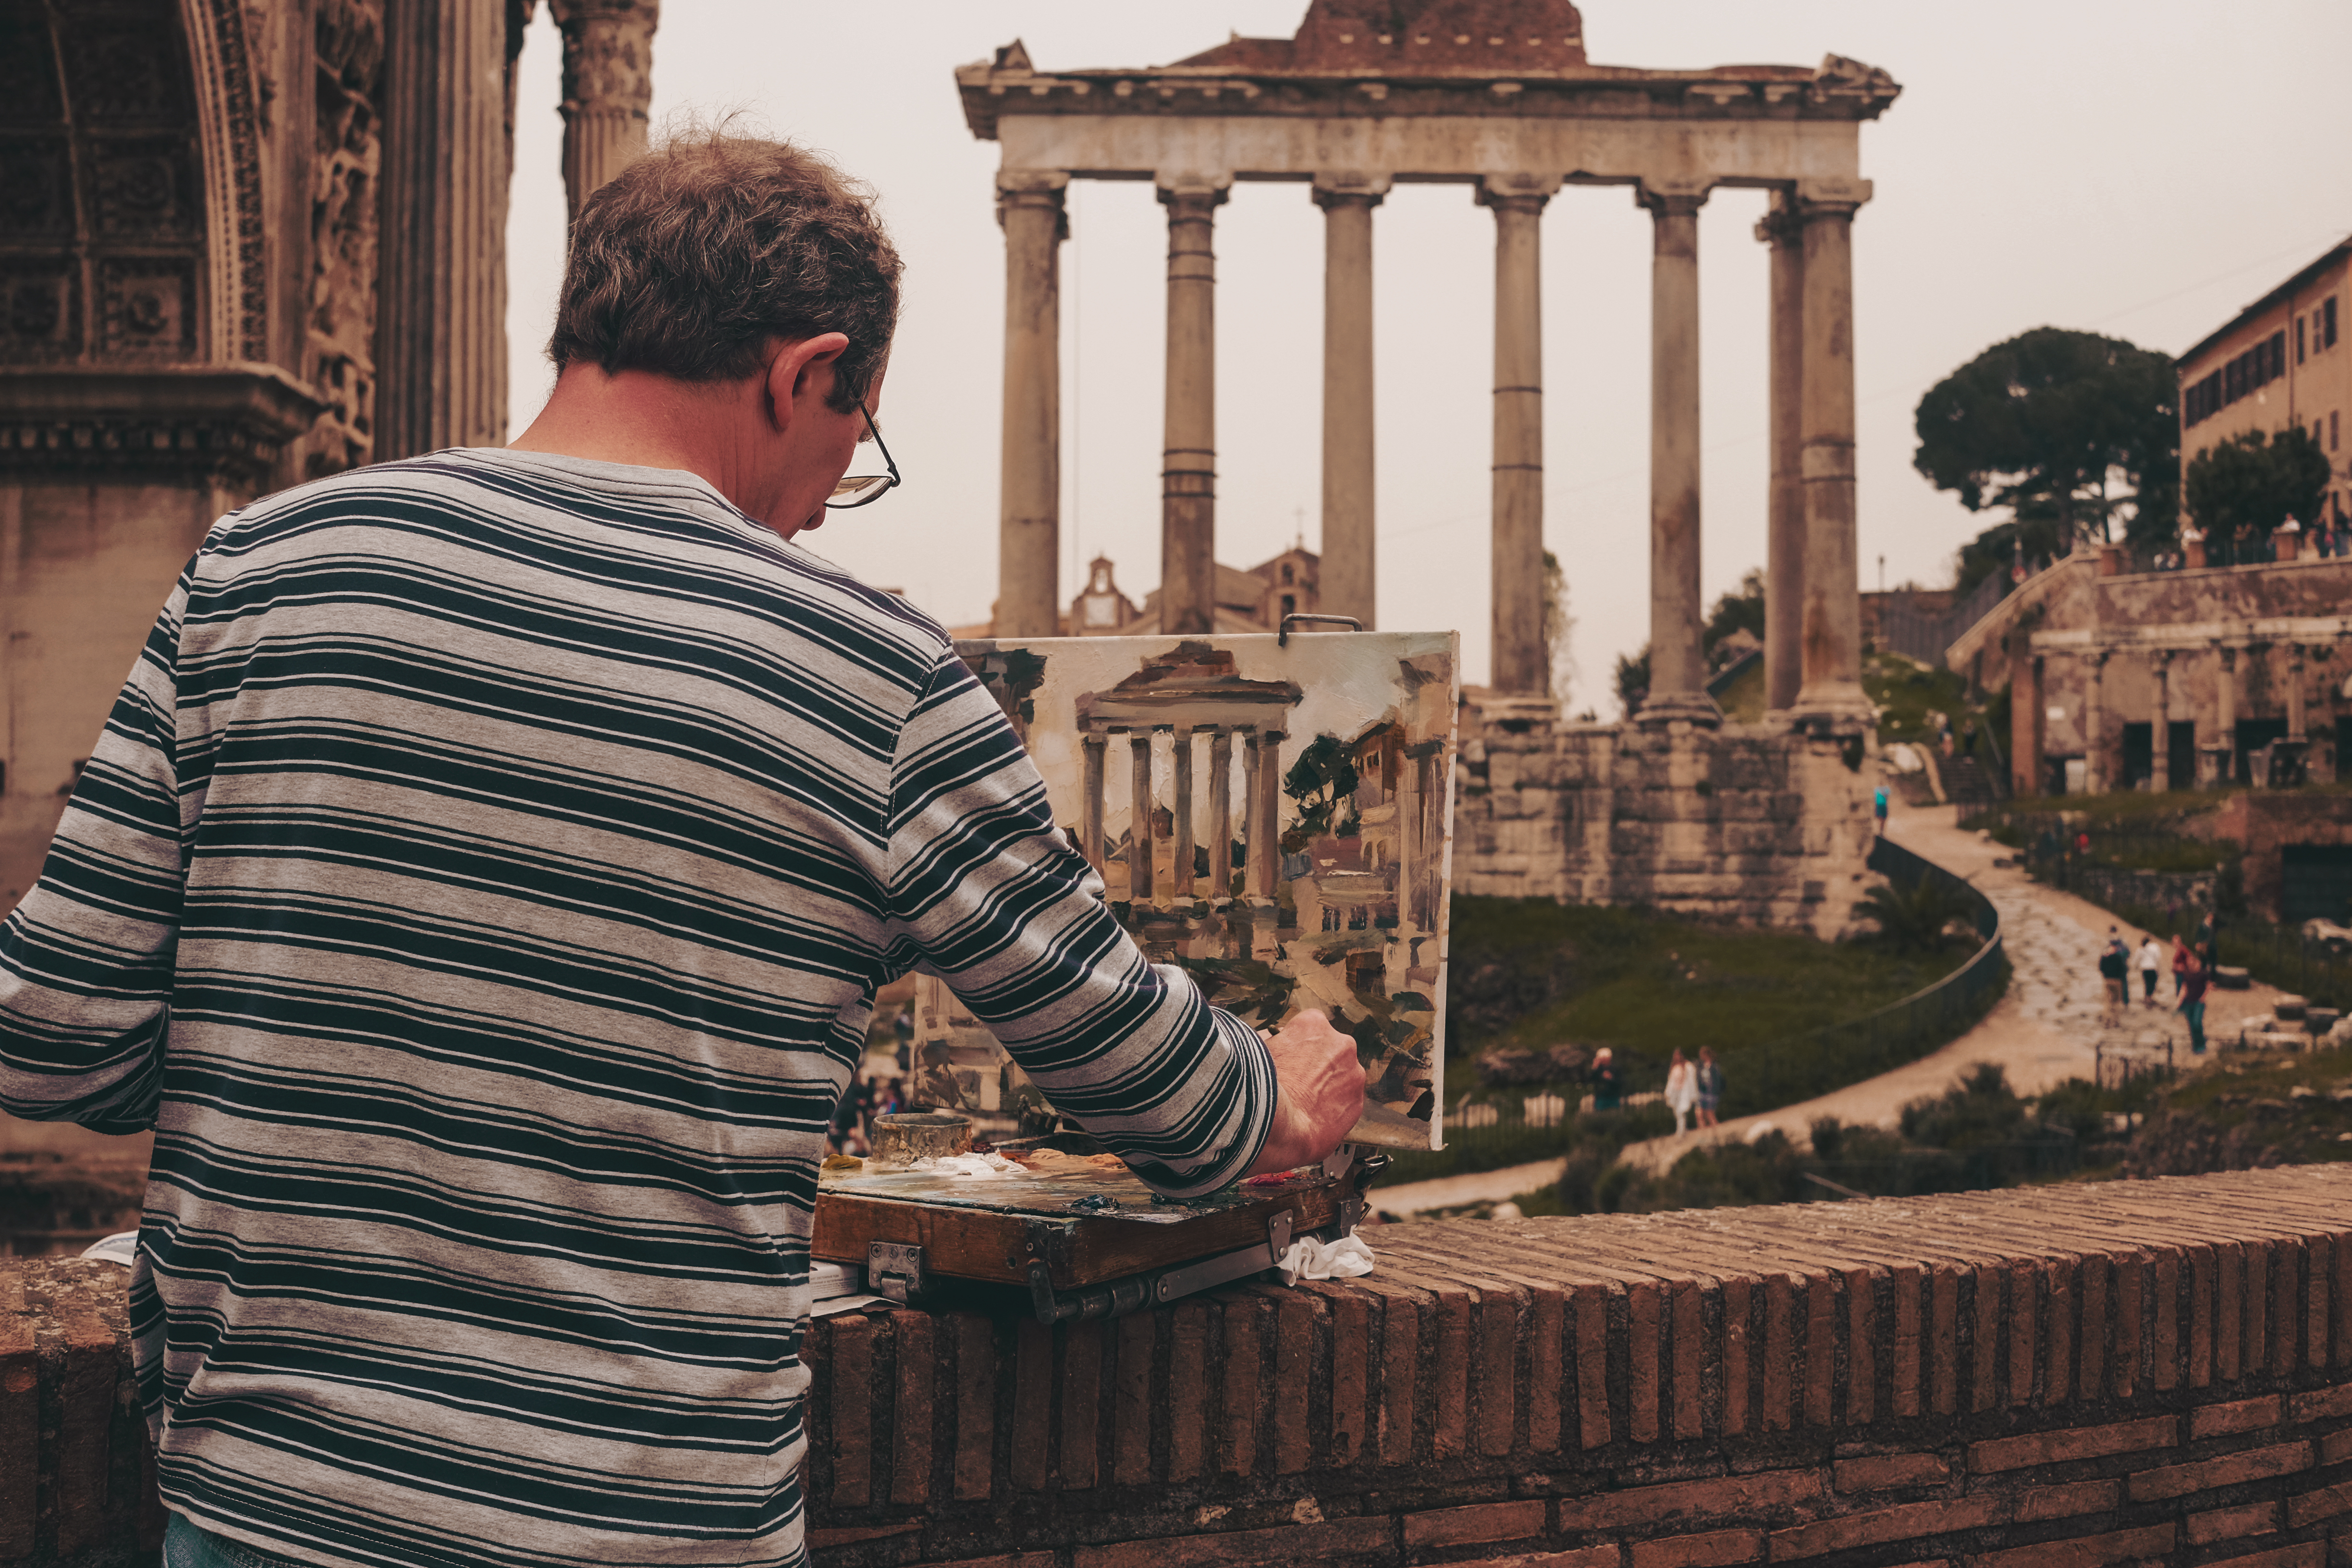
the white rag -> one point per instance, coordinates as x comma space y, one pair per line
1311, 1259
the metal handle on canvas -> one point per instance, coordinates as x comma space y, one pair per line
1281, 637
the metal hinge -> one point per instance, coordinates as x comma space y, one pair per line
893, 1270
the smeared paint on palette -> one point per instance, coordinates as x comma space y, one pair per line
1275, 820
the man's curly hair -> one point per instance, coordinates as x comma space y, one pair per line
691, 259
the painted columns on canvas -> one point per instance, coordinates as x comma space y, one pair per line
1677, 665
1831, 696
1784, 550
608, 88
1349, 575
1188, 494
441, 332
1518, 657
1029, 206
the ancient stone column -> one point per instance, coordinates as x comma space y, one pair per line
608, 88
1220, 813
1784, 549
441, 322
1182, 826
2296, 733
1677, 663
2095, 772
2225, 715
1349, 569
1091, 749
1831, 696
1188, 493
1029, 206
1519, 667
2159, 724
1138, 855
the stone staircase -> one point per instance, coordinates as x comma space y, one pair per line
1967, 786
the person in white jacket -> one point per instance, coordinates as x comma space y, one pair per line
1681, 1089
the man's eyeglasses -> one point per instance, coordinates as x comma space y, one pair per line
857, 489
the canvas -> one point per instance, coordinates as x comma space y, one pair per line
1273, 815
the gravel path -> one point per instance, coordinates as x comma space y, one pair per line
2041, 1032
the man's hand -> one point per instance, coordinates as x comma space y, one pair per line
1320, 1093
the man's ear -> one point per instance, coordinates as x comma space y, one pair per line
797, 368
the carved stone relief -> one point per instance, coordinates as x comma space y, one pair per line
345, 168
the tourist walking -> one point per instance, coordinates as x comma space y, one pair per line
1681, 1089
2114, 975
2183, 961
2192, 1005
2151, 963
1608, 1089
1878, 808
1710, 1086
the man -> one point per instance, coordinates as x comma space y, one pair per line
2114, 975
482, 886
2151, 959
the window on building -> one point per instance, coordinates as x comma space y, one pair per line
1287, 578
2298, 340
2334, 428
1291, 603
2328, 325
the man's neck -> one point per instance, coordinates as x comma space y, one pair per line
641, 420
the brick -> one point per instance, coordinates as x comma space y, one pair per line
2320, 1250
1821, 1349
1779, 1348
1906, 1521
2325, 1405
2131, 1343
2071, 1443
1688, 1387
2310, 1554
2058, 1332
1450, 1423
1708, 1550
975, 1407
2023, 1290
2069, 1502
85, 1398
1861, 1346
2238, 1416
1879, 1472
1644, 1350
849, 1411
2091, 1346
1245, 1381
2231, 1280
1944, 1340
1082, 1358
1591, 1307
2204, 1281
1584, 1557
1188, 1389
2165, 1348
1478, 1522
1738, 1299
2327, 1502
2230, 1523
1401, 1352
910, 1448
1713, 1498
1909, 1284
1293, 1354
2088, 1551
2335, 1448
1336, 1541
1032, 1404
19, 1430
1984, 1379
1130, 1458
1547, 1323
856, 1534
2223, 1470
1350, 1338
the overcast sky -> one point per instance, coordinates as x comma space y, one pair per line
2138, 168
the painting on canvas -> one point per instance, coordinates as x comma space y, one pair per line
1273, 817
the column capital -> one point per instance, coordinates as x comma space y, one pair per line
1830, 198
1193, 190
1517, 192
1350, 189
1670, 199
1036, 190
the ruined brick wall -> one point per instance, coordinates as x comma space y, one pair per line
2150, 1373
2156, 1371
1748, 822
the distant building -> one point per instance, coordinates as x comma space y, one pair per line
2280, 362
1251, 601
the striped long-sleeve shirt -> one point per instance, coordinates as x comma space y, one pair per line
481, 887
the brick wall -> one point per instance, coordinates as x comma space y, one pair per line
2150, 1372
2153, 1372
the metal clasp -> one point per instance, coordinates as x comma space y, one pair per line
893, 1270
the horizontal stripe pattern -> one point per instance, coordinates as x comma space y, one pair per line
481, 887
